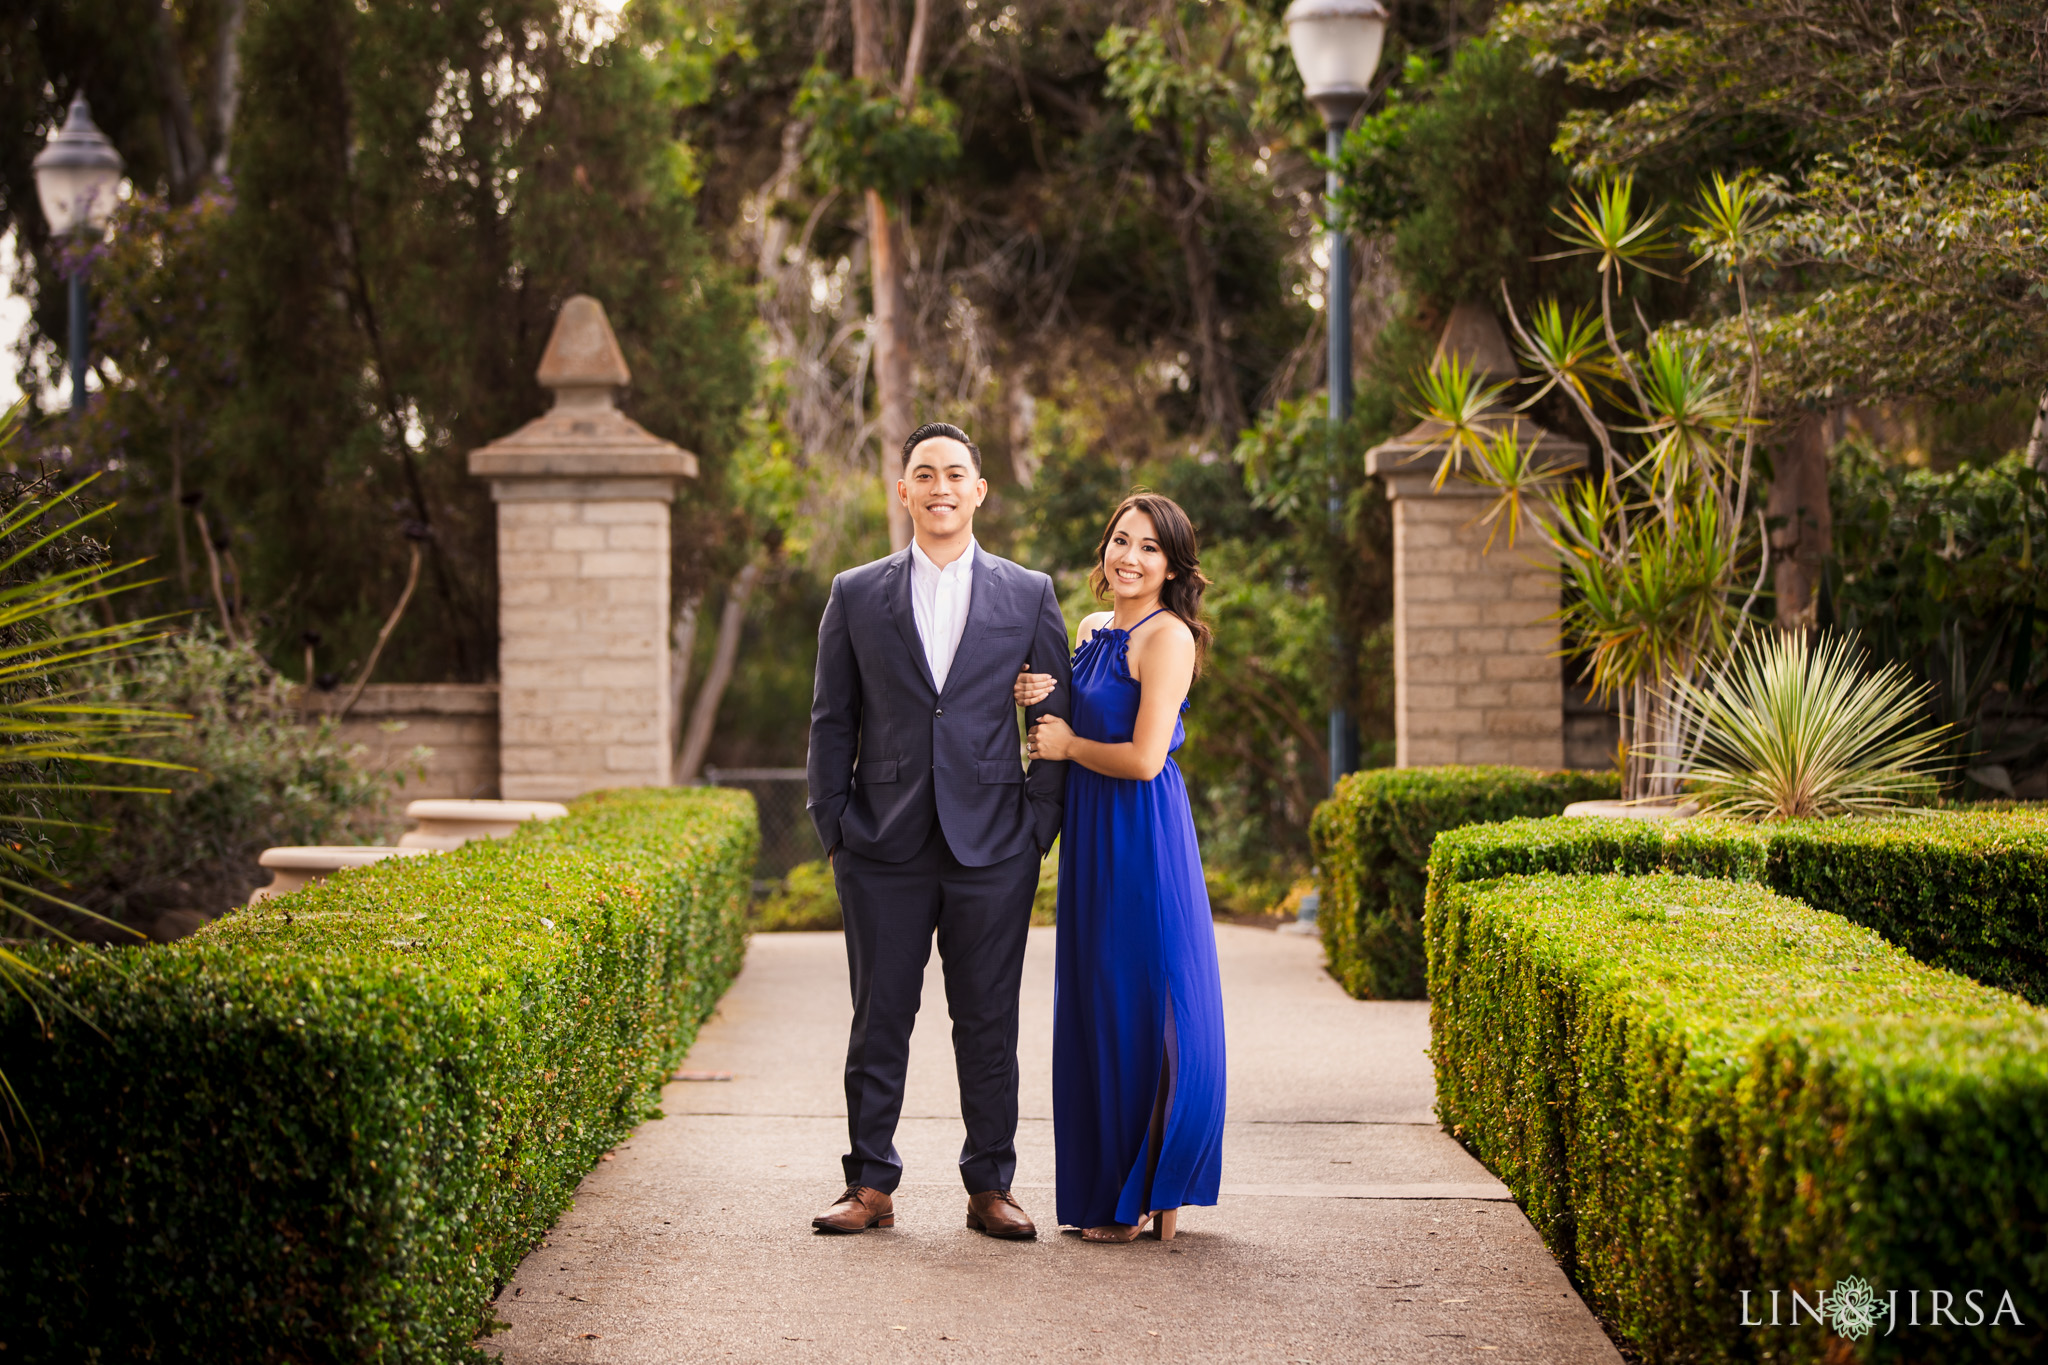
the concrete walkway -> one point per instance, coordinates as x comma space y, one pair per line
1350, 1228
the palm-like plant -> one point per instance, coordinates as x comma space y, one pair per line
52, 732
1789, 727
1658, 546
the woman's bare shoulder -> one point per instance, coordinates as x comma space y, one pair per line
1089, 625
1167, 639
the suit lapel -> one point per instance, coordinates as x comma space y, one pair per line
982, 607
896, 587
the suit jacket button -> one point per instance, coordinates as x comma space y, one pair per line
940, 712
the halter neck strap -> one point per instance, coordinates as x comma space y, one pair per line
1133, 629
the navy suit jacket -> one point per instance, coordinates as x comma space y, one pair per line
890, 752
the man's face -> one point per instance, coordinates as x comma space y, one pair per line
941, 488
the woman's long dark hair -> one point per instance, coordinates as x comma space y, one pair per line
1182, 593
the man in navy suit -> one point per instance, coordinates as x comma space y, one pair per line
921, 799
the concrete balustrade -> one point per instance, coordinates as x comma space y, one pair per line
451, 824
296, 866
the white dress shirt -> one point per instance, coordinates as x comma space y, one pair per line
938, 600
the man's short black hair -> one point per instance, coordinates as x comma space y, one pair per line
931, 429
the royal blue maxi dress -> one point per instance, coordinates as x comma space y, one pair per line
1138, 1002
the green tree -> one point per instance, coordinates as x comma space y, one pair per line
414, 190
1908, 140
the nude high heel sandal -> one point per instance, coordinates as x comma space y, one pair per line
1117, 1232
1164, 1220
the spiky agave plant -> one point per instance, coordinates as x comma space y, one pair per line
1791, 726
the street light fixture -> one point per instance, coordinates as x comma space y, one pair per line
1336, 47
77, 176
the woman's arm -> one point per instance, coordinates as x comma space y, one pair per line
1164, 665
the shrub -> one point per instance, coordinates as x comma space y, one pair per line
807, 899
258, 775
328, 1127
1966, 890
1697, 1087
1371, 841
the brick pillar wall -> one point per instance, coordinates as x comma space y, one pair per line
1476, 676
584, 495
583, 585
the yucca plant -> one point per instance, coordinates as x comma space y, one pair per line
1790, 726
54, 736
1659, 545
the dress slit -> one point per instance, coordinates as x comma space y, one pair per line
1162, 1103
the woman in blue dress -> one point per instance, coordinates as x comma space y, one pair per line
1137, 1068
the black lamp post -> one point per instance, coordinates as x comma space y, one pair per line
77, 176
1336, 47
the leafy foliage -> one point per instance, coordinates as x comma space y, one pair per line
251, 772
1696, 1087
1940, 573
1372, 842
1909, 258
331, 1125
864, 136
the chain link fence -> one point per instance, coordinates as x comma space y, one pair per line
787, 836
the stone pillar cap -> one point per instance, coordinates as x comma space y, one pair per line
584, 436
582, 352
1473, 334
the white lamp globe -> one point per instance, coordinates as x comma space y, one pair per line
77, 175
1336, 47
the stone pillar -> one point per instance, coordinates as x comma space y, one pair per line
1476, 673
583, 497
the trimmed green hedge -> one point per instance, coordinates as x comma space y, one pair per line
1371, 844
329, 1127
1966, 890
1697, 1087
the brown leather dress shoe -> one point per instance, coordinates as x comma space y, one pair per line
859, 1209
997, 1214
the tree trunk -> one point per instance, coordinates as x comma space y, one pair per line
227, 82
186, 158
894, 369
2037, 442
1802, 525
683, 639
1222, 409
705, 713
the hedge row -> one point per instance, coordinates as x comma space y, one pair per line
329, 1127
1371, 844
1697, 1087
1965, 890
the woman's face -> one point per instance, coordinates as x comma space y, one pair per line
1133, 561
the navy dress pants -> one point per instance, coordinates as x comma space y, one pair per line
980, 915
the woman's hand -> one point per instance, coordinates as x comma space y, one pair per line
1051, 738
1032, 688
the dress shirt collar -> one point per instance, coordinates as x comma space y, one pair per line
924, 565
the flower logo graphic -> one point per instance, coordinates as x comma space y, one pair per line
1852, 1308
